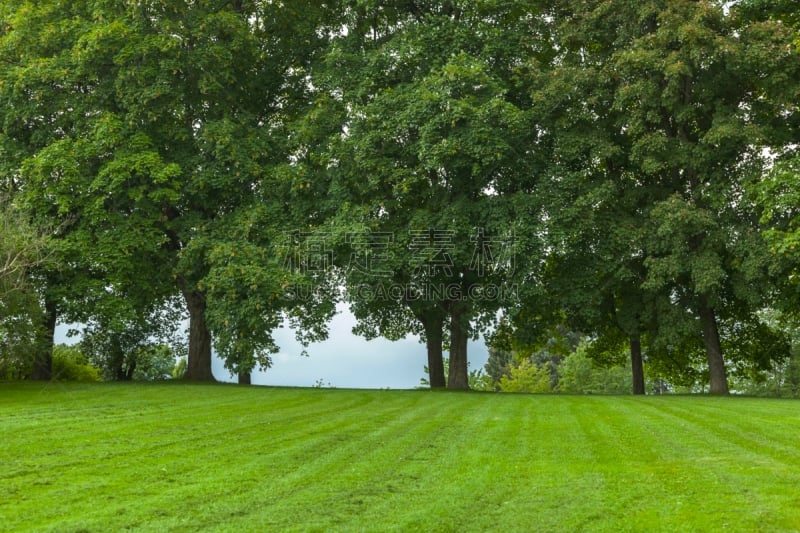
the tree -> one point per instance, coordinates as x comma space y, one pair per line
655, 157
149, 129
50, 107
592, 278
431, 140
498, 364
699, 130
127, 347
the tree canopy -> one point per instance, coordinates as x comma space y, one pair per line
623, 171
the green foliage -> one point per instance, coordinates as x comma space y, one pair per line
18, 342
790, 382
69, 364
15, 364
777, 373
651, 149
526, 377
131, 346
578, 374
179, 370
434, 157
777, 196
617, 155
23, 249
154, 363
498, 364
480, 381
150, 133
780, 381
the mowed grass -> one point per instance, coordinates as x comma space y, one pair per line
183, 457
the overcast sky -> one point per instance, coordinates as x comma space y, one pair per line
344, 360
348, 361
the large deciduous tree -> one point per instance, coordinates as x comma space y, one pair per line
700, 81
147, 129
777, 193
673, 105
429, 163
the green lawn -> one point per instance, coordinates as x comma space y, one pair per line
181, 457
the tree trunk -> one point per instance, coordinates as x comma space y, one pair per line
198, 364
458, 377
433, 341
131, 369
43, 359
716, 364
244, 378
637, 369
119, 369
125, 373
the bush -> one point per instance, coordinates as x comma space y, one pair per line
69, 364
526, 377
480, 381
579, 375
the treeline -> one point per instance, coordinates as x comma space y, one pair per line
574, 367
624, 170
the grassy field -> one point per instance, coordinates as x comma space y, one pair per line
181, 457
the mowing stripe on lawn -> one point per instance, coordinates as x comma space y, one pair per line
183, 457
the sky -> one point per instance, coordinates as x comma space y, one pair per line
348, 361
344, 360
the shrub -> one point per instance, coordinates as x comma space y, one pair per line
69, 364
526, 377
579, 375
